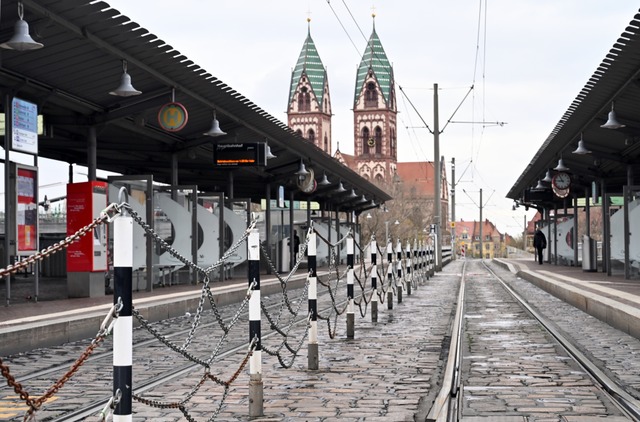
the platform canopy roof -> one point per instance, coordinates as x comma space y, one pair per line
615, 153
85, 43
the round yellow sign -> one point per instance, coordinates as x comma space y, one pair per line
172, 117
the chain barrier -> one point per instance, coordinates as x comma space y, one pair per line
207, 376
24, 263
35, 404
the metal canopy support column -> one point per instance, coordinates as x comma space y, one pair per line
606, 226
548, 219
292, 245
7, 181
267, 222
92, 151
574, 238
555, 234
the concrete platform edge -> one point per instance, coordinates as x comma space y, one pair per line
618, 315
84, 325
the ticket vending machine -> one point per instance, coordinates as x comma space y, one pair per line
87, 257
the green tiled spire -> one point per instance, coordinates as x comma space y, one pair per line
375, 58
309, 63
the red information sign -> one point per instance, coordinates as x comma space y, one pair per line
85, 201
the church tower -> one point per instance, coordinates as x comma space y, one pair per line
374, 114
309, 108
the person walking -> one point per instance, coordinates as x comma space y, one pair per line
296, 246
540, 243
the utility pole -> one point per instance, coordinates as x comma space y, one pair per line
453, 207
438, 181
481, 241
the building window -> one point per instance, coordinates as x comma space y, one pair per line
326, 143
378, 137
487, 237
299, 132
465, 236
371, 95
365, 140
304, 100
311, 135
476, 238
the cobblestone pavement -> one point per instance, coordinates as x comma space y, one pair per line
385, 373
513, 368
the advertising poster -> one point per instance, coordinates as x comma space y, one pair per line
27, 210
85, 201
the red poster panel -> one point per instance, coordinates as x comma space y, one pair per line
27, 210
85, 201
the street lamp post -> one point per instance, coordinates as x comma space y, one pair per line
386, 229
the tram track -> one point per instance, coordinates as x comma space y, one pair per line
448, 405
93, 408
99, 366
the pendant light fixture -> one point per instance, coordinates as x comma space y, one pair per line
302, 171
612, 121
21, 40
324, 181
561, 166
125, 89
547, 177
581, 150
215, 128
269, 153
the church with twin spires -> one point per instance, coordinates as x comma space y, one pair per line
375, 142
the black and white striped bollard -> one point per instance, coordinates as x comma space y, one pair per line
256, 393
123, 327
408, 268
399, 269
389, 274
312, 353
350, 276
374, 280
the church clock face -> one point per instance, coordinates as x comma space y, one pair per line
371, 142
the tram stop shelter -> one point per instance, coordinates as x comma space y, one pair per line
592, 156
89, 48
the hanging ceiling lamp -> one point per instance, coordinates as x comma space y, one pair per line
547, 177
561, 166
269, 153
581, 150
340, 188
324, 181
125, 89
21, 40
540, 186
215, 128
612, 121
302, 170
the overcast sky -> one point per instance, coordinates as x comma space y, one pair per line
527, 59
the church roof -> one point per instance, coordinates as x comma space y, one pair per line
310, 64
375, 58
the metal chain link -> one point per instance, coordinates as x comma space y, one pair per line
35, 404
206, 376
57, 247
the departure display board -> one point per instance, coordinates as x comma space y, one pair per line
240, 155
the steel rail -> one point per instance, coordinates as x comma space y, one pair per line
627, 403
443, 407
91, 409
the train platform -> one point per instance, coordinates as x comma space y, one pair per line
55, 319
612, 299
